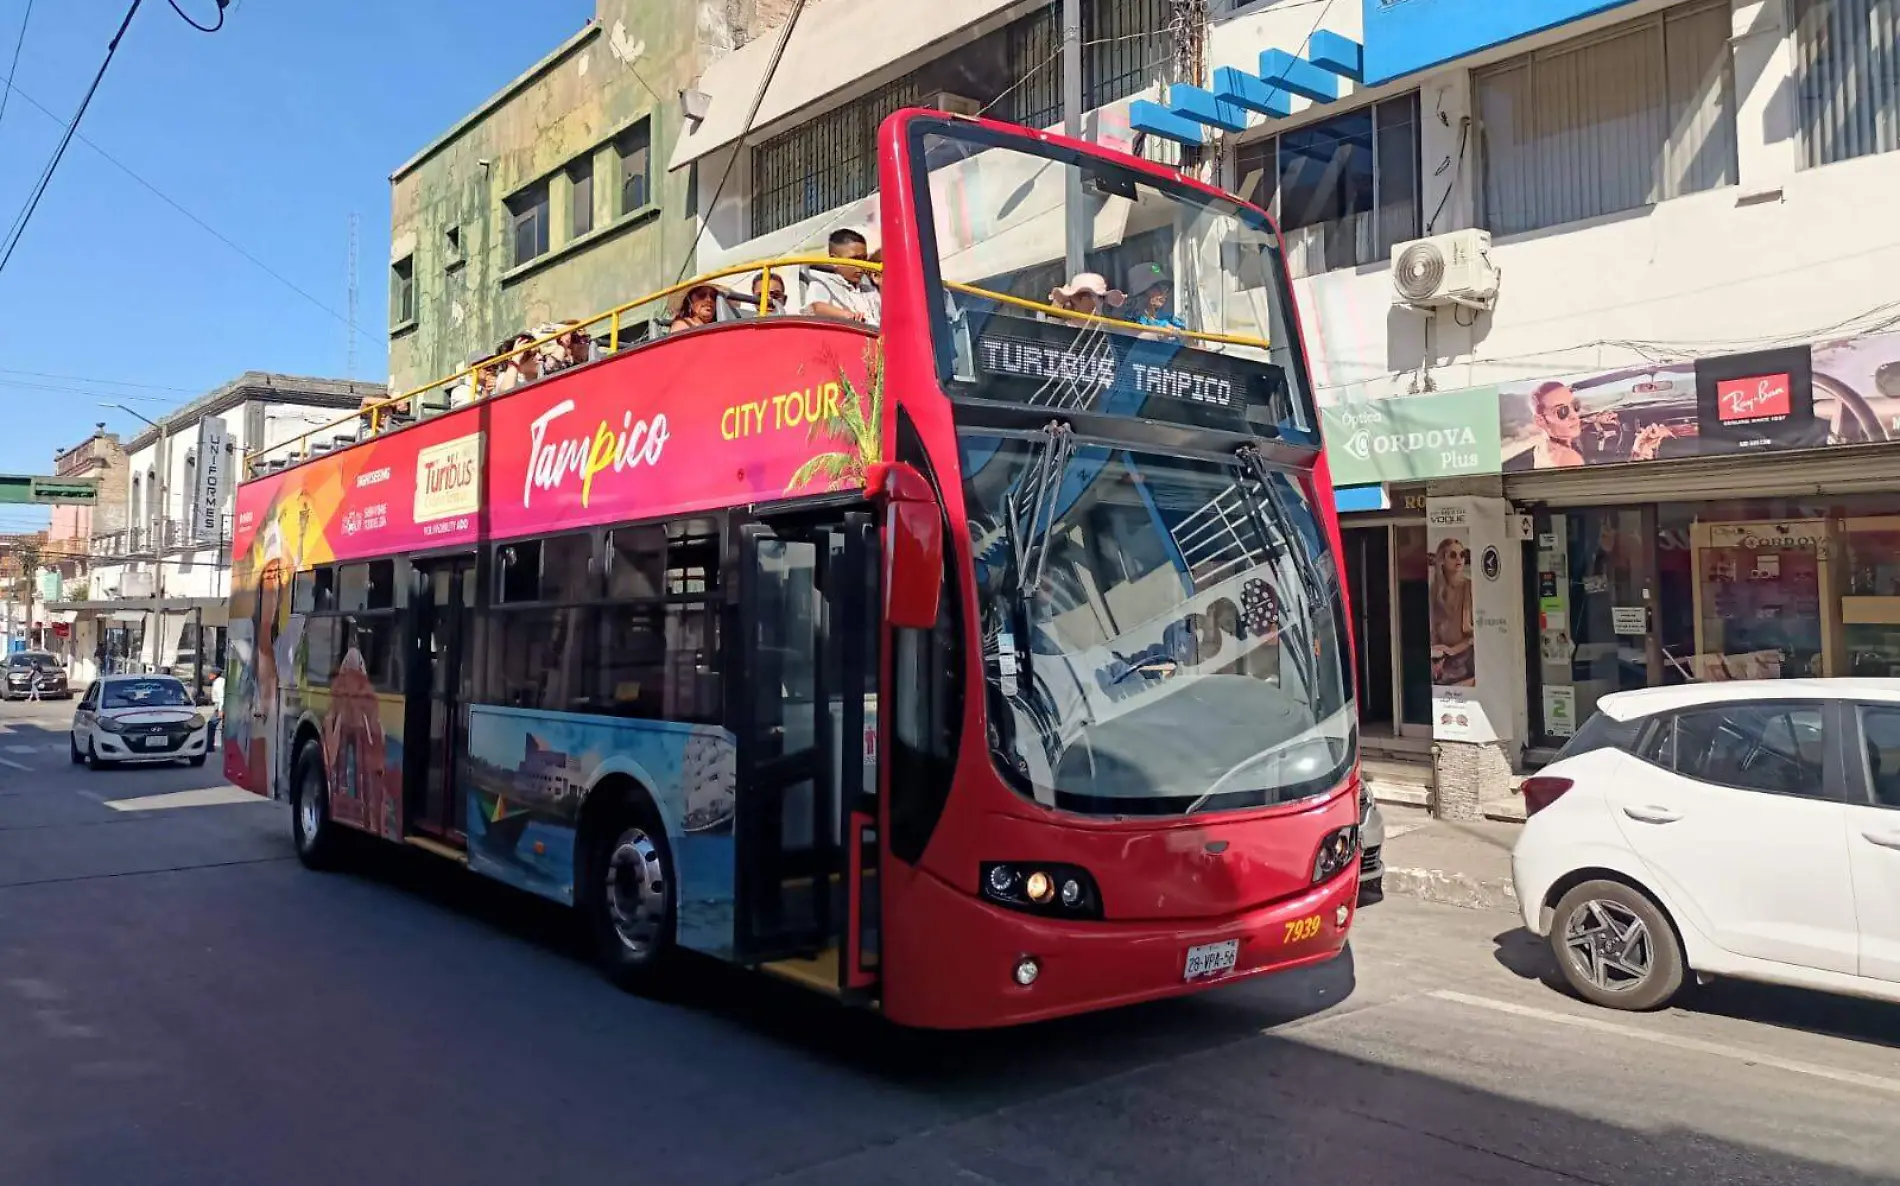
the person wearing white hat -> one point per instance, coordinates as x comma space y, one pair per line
1087, 293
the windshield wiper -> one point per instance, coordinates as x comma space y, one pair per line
1040, 487
1280, 535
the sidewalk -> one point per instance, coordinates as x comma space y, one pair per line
1458, 864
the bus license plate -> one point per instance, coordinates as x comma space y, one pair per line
1211, 959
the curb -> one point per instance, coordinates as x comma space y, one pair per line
1451, 889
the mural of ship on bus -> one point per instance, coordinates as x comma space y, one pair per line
528, 771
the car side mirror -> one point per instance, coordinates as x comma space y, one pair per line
913, 545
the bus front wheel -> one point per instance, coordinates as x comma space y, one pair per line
310, 823
632, 901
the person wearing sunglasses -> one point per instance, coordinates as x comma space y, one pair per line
1570, 436
1453, 629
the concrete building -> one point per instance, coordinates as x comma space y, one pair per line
550, 201
67, 560
1638, 246
157, 582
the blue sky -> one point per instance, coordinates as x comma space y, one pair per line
273, 131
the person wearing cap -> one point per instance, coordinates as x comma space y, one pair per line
1087, 294
1150, 289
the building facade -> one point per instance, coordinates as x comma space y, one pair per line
157, 582
550, 201
1658, 438
1642, 421
64, 568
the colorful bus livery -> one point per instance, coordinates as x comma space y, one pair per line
983, 665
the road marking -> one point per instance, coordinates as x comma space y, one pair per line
209, 797
1654, 1038
12, 763
23, 749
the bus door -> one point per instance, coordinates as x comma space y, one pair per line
804, 710
437, 694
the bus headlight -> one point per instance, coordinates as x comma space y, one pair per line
1060, 891
1335, 852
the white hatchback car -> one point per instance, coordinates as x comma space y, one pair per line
139, 718
1747, 829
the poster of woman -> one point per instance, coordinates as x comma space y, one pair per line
1453, 631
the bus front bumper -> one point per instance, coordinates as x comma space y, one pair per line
976, 949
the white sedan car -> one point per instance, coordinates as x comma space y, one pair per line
1747, 829
139, 718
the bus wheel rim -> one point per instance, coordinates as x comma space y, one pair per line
308, 818
636, 892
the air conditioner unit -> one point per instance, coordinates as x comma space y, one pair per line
1450, 269
953, 103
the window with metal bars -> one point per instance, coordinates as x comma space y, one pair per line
1126, 44
831, 160
825, 162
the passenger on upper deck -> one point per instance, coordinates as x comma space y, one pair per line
520, 368
840, 290
1086, 294
569, 348
1150, 289
699, 306
774, 303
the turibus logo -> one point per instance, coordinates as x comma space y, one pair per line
448, 479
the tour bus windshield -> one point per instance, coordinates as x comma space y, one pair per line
1161, 635
1180, 312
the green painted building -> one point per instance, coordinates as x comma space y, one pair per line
552, 199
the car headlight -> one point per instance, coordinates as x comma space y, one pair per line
111, 725
198, 720
1336, 851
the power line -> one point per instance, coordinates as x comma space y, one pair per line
200, 223
96, 382
39, 190
745, 129
15, 67
187, 18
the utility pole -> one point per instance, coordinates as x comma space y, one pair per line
1076, 220
349, 367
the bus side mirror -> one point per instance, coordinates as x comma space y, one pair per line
913, 546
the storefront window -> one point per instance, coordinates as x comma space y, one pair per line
1593, 621
1870, 607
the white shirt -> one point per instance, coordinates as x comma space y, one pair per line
864, 299
217, 695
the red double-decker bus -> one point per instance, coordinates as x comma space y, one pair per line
985, 663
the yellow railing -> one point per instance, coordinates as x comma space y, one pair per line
378, 413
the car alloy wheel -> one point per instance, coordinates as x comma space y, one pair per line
1610, 946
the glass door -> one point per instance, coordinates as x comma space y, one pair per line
438, 693
806, 823
1369, 591
1412, 622
1763, 602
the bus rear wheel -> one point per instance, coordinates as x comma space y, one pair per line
632, 903
310, 824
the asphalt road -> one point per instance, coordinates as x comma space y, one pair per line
180, 1002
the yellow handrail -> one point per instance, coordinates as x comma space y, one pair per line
375, 412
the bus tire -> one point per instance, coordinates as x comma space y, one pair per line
632, 901
311, 828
